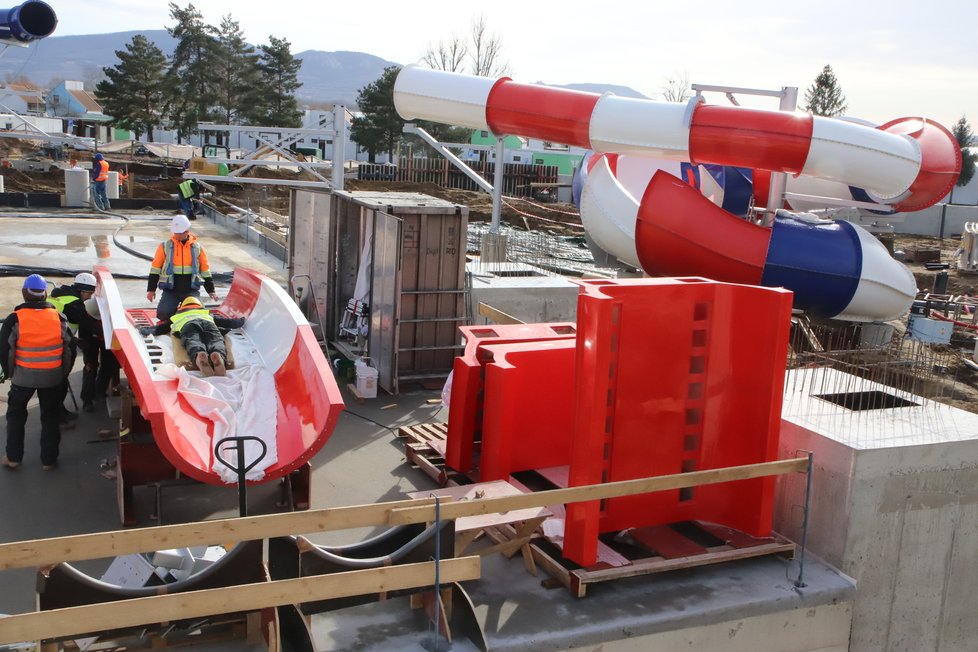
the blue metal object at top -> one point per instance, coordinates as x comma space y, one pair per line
27, 22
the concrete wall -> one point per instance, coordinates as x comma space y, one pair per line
532, 299
902, 520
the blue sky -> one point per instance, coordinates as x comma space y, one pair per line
892, 59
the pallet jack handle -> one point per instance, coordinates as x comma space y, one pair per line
239, 466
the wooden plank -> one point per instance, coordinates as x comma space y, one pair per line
666, 542
659, 565
497, 316
735, 538
410, 514
43, 552
73, 621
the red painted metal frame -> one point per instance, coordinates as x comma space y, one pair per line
675, 375
465, 405
527, 419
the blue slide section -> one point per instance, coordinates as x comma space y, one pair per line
821, 263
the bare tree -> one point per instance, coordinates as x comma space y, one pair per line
447, 55
676, 88
485, 54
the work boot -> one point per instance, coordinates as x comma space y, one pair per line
217, 362
88, 406
7, 463
203, 364
49, 467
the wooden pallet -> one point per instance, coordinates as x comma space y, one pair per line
424, 447
661, 548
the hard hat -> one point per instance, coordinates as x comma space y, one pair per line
99, 157
85, 281
180, 224
36, 283
191, 301
35, 287
91, 307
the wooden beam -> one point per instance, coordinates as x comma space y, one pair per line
497, 316
44, 552
415, 514
73, 621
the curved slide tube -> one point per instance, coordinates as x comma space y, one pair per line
278, 338
906, 164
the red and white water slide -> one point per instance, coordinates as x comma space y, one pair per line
281, 389
669, 228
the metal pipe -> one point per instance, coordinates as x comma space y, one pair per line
497, 185
27, 22
800, 582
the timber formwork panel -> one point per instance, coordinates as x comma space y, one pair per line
465, 414
675, 375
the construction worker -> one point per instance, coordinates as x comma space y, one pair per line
200, 333
36, 355
100, 174
70, 302
101, 366
189, 190
179, 268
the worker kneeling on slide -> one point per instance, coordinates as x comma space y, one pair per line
200, 332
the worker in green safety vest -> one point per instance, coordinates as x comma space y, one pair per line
70, 302
200, 333
189, 190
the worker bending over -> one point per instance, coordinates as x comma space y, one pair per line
200, 333
70, 302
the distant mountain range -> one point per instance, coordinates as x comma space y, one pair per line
327, 77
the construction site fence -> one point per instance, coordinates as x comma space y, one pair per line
519, 179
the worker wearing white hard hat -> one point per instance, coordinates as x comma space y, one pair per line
70, 302
101, 370
179, 269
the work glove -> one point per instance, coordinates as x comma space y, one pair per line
146, 330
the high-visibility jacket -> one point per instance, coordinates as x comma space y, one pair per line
187, 189
181, 317
39, 348
60, 303
103, 171
175, 257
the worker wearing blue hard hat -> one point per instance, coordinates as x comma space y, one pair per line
36, 355
100, 174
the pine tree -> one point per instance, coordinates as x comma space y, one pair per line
965, 137
279, 80
191, 79
825, 97
379, 129
237, 74
133, 90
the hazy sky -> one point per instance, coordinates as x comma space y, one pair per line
892, 59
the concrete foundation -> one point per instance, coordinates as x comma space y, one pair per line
894, 506
528, 293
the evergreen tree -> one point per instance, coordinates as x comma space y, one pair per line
279, 80
191, 79
379, 128
825, 97
133, 90
965, 137
237, 74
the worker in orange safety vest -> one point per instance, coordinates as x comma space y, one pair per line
100, 174
36, 354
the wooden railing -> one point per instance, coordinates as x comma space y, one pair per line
73, 621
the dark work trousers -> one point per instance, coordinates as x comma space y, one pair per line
101, 369
50, 399
201, 335
64, 386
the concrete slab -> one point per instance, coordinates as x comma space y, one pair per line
894, 505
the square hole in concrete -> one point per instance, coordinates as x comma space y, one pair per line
874, 400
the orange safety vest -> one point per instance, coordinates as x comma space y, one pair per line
103, 173
39, 343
